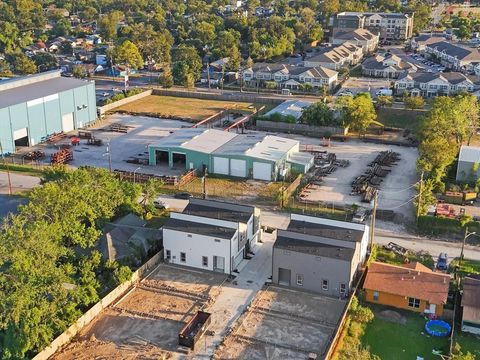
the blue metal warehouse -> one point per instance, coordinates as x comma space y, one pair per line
33, 107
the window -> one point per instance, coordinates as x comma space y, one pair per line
204, 260
183, 257
168, 255
218, 240
325, 285
375, 296
343, 288
189, 235
299, 279
414, 303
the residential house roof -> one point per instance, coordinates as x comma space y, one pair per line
460, 52
219, 210
469, 154
414, 280
355, 35
325, 230
425, 77
378, 63
336, 53
428, 39
471, 299
288, 241
291, 107
186, 226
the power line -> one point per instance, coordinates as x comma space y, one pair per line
398, 191
405, 203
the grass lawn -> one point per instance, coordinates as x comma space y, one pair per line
157, 221
389, 257
400, 118
468, 342
469, 267
23, 169
394, 341
235, 188
195, 109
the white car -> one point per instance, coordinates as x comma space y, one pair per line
161, 205
346, 93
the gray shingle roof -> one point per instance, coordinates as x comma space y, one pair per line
326, 231
460, 52
200, 228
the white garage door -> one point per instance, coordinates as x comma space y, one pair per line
21, 133
220, 165
262, 171
238, 168
67, 123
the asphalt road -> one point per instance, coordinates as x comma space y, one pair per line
19, 182
9, 204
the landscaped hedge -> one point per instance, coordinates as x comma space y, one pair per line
431, 225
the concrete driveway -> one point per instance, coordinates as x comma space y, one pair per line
19, 182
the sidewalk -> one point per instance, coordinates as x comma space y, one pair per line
235, 297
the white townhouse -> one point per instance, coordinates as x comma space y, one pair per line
433, 84
290, 76
453, 56
211, 235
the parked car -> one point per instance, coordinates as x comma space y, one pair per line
384, 92
184, 196
346, 93
360, 216
442, 261
161, 205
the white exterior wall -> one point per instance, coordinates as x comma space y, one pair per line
195, 247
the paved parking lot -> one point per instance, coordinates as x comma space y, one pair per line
395, 190
358, 85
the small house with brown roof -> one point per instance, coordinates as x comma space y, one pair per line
412, 287
471, 305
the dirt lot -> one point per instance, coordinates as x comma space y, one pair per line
283, 324
145, 324
395, 189
185, 108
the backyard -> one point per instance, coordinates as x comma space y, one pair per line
468, 267
468, 342
389, 257
183, 108
400, 335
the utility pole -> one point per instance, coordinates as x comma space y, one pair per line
204, 181
420, 197
374, 215
109, 151
208, 74
8, 170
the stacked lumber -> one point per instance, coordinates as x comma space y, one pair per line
34, 155
61, 157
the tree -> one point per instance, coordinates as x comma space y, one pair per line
66, 48
5, 68
108, 25
127, 53
318, 114
79, 72
23, 65
360, 313
414, 102
45, 61
167, 78
427, 196
436, 154
383, 101
357, 112
227, 46
186, 61
11, 38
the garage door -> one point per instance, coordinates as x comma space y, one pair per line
18, 134
238, 168
284, 276
67, 123
262, 171
220, 165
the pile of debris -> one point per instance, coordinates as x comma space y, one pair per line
62, 156
367, 184
34, 155
117, 127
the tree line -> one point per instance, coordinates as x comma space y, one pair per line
176, 34
51, 272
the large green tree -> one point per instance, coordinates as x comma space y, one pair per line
127, 54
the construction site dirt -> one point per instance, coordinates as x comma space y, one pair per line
145, 323
284, 324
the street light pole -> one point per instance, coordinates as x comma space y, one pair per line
8, 170
134, 172
467, 234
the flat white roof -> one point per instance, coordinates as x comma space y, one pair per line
272, 148
469, 154
291, 107
209, 140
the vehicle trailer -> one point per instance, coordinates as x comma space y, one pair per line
194, 329
460, 198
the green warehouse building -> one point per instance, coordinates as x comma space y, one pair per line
33, 107
261, 157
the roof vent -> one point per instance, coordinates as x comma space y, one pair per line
402, 278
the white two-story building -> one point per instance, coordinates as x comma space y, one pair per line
433, 84
211, 235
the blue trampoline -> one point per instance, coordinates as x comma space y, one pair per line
438, 328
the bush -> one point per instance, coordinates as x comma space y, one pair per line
134, 91
117, 97
440, 225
